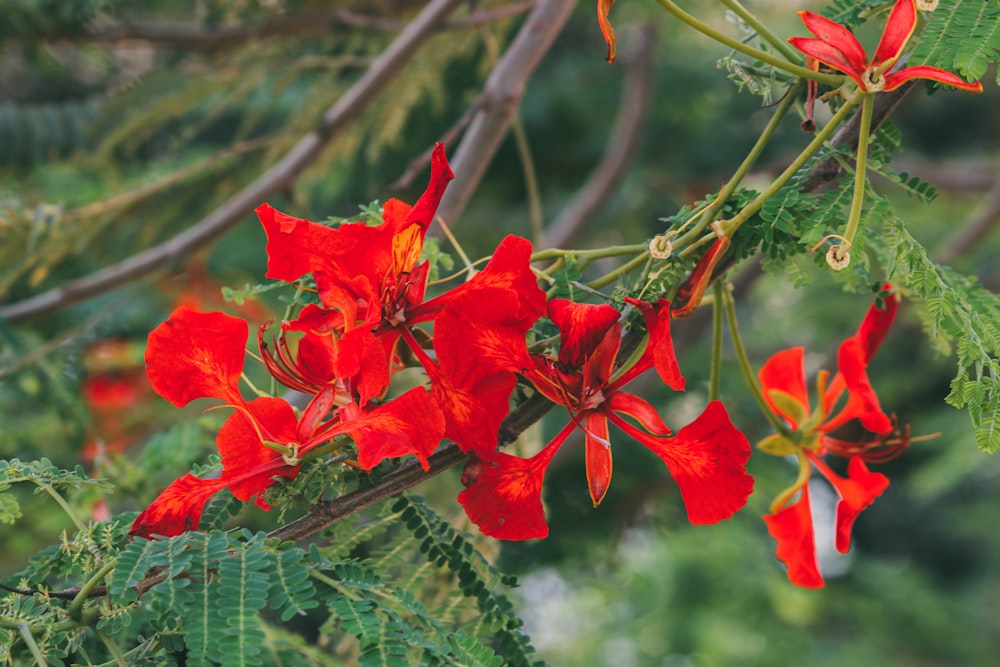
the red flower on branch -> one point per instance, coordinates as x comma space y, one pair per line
784, 386
705, 458
835, 46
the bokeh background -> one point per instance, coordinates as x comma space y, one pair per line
123, 123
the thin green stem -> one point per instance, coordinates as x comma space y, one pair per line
730, 226
530, 180
613, 276
610, 251
748, 374
834, 80
113, 649
25, 631
762, 30
800, 480
75, 608
860, 175
708, 216
715, 367
70, 512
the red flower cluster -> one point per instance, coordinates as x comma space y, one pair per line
783, 380
344, 350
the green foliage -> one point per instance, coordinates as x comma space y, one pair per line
44, 475
961, 36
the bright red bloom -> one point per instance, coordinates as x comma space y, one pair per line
835, 46
706, 458
784, 385
200, 355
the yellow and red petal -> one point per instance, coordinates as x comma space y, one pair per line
785, 372
639, 409
248, 466
411, 423
896, 79
829, 55
295, 246
857, 492
197, 355
422, 213
898, 29
503, 494
603, 8
473, 412
598, 456
177, 509
792, 529
839, 38
706, 458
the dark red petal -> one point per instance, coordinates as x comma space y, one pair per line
877, 321
362, 359
248, 467
598, 456
660, 352
197, 355
640, 410
296, 246
785, 372
838, 37
706, 458
473, 413
894, 80
828, 55
857, 492
692, 290
603, 8
504, 496
582, 327
900, 25
792, 529
178, 509
411, 423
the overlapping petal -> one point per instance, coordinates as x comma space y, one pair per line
178, 509
792, 529
783, 380
857, 491
582, 327
197, 355
411, 423
660, 351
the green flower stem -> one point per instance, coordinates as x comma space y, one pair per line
800, 481
860, 174
610, 251
708, 216
834, 80
70, 512
75, 608
751, 378
25, 631
612, 277
762, 30
730, 226
715, 367
113, 649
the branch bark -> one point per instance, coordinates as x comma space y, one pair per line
346, 110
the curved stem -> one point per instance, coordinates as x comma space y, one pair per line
25, 631
70, 512
834, 80
860, 174
613, 276
748, 374
75, 609
762, 30
730, 226
610, 251
715, 367
800, 481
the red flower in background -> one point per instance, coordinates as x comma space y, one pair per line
784, 385
835, 46
706, 458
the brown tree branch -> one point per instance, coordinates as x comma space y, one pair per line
624, 139
499, 102
346, 110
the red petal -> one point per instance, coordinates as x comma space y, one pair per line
706, 458
582, 327
473, 413
838, 37
862, 401
660, 351
598, 456
640, 410
828, 55
603, 7
857, 492
295, 246
692, 290
877, 321
894, 80
504, 493
408, 424
362, 359
178, 509
422, 213
785, 372
248, 466
899, 27
792, 529
197, 355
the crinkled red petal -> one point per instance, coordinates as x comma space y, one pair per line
177, 509
792, 529
582, 327
295, 246
197, 355
411, 423
362, 359
785, 372
249, 467
857, 491
473, 413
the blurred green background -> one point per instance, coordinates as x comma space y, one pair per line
110, 145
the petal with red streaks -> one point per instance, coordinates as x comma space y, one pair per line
792, 529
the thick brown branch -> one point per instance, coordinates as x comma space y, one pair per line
346, 110
621, 145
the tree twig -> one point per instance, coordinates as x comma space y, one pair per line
346, 110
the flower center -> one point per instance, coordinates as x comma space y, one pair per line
873, 79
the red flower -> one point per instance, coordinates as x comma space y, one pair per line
200, 355
603, 8
503, 494
784, 386
835, 46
